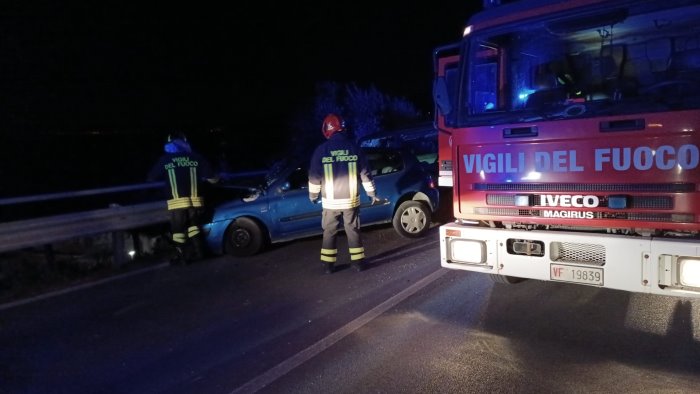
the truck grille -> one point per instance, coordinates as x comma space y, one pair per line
636, 202
579, 253
634, 216
588, 187
642, 202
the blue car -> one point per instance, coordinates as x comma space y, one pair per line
278, 208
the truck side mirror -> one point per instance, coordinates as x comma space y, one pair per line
441, 96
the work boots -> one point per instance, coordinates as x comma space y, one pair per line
196, 251
328, 268
358, 265
178, 256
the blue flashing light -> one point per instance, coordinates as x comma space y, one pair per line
523, 95
617, 202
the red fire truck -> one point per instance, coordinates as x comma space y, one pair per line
569, 132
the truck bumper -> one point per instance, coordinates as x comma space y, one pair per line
637, 264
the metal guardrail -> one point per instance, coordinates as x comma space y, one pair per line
47, 230
78, 193
19, 234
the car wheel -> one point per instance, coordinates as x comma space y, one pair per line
244, 237
412, 219
509, 280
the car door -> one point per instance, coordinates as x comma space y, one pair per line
386, 166
292, 212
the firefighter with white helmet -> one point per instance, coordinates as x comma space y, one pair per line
337, 168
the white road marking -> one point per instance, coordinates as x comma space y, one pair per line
80, 287
287, 365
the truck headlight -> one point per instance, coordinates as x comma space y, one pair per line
467, 251
689, 271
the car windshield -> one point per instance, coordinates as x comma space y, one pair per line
275, 171
380, 160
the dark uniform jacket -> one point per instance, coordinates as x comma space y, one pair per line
182, 173
337, 168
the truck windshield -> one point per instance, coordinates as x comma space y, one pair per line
640, 58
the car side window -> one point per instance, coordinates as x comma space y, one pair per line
298, 179
385, 162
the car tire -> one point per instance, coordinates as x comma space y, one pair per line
412, 219
244, 237
505, 279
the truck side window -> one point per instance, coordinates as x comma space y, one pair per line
484, 80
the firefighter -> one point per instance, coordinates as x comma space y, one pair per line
336, 170
183, 171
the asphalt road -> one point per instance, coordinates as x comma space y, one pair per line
274, 323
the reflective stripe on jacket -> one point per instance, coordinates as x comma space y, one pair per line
337, 168
183, 173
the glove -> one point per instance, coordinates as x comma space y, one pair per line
313, 198
375, 200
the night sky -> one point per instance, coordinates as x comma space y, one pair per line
126, 73
119, 66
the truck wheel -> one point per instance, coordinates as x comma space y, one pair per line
244, 237
412, 219
509, 280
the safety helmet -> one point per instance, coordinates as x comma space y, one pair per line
332, 124
177, 143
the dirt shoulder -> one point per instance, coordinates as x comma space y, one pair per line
34, 271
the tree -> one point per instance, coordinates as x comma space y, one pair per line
367, 111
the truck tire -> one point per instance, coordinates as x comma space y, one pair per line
509, 280
412, 219
244, 237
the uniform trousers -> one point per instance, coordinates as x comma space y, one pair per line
184, 223
351, 223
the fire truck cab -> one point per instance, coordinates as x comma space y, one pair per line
569, 133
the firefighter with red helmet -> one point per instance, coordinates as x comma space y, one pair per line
337, 168
183, 171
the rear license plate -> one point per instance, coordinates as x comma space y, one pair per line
568, 273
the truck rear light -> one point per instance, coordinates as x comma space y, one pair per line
689, 270
467, 251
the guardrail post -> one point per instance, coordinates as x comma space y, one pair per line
118, 248
118, 245
136, 241
50, 257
